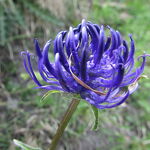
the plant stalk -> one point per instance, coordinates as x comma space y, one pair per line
64, 122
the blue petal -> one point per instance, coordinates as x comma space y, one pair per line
132, 48
37, 48
120, 101
107, 44
126, 52
28, 67
46, 60
83, 65
100, 49
60, 74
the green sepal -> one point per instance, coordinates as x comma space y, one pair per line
24, 146
144, 77
48, 94
96, 115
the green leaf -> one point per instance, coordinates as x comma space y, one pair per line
42, 13
24, 146
17, 14
2, 26
48, 94
96, 114
145, 104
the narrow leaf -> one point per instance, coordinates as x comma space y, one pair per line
48, 94
24, 146
2, 26
96, 114
17, 14
42, 13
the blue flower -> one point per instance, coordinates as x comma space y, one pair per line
99, 68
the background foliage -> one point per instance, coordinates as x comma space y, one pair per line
22, 115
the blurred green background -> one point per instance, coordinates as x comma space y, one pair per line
24, 117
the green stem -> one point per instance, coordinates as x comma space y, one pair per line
64, 122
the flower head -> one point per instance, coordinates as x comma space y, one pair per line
99, 68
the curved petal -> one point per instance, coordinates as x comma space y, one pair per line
107, 44
28, 67
46, 60
120, 101
37, 48
100, 49
60, 74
